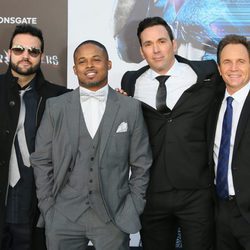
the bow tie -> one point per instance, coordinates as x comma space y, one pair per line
100, 96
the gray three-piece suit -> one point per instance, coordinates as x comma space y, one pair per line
107, 174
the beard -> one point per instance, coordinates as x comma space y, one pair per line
25, 72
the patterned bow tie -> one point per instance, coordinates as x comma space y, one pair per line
100, 96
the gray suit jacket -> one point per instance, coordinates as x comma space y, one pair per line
56, 149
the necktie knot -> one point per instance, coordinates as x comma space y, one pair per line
162, 79
229, 100
100, 96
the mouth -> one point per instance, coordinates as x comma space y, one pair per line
91, 74
234, 76
158, 58
24, 63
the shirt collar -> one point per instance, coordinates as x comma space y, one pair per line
103, 90
241, 95
172, 71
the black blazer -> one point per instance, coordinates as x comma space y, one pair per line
179, 141
9, 113
241, 153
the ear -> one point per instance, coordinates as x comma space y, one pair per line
142, 54
218, 66
42, 56
109, 65
8, 54
174, 46
74, 69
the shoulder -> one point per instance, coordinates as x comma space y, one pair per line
128, 103
58, 103
52, 89
138, 72
205, 63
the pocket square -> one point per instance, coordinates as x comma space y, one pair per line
123, 127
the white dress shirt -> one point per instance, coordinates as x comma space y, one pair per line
93, 108
182, 77
238, 102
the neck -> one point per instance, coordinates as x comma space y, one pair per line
23, 80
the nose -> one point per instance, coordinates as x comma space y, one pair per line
234, 66
25, 54
89, 64
156, 48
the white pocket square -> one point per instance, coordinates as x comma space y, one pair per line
123, 127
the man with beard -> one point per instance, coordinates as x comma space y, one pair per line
23, 91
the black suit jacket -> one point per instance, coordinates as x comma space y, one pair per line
179, 141
241, 152
9, 113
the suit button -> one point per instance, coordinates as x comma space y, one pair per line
91, 169
90, 181
87, 203
92, 158
170, 120
7, 132
90, 192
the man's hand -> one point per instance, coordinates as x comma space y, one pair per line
121, 91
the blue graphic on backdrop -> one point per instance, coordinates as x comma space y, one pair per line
198, 25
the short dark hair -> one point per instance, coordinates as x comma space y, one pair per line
27, 29
98, 44
152, 21
232, 39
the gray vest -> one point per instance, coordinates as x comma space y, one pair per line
82, 190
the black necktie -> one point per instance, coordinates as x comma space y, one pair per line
161, 95
223, 158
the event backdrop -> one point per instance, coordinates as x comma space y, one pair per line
51, 18
198, 26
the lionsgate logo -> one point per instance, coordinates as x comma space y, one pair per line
47, 59
17, 20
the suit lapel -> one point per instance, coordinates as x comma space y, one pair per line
212, 122
244, 116
73, 112
109, 116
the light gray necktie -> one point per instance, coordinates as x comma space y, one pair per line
14, 174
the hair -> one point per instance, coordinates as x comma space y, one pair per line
27, 29
153, 21
98, 44
232, 39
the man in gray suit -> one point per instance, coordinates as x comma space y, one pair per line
92, 160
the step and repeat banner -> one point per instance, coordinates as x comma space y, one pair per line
51, 18
198, 26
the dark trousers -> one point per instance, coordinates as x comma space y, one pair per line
192, 210
232, 230
16, 237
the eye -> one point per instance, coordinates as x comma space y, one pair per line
241, 61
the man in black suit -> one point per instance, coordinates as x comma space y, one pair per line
230, 145
179, 193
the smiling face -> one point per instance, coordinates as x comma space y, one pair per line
24, 64
157, 48
91, 66
234, 67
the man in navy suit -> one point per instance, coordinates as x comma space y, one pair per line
179, 192
229, 149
